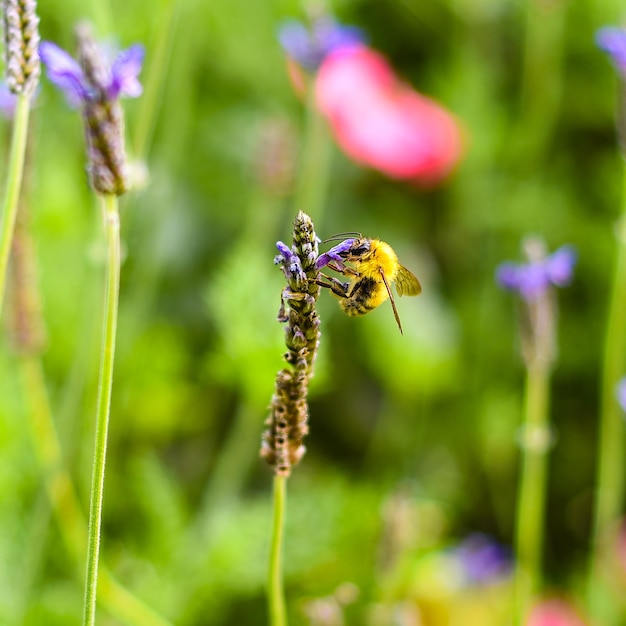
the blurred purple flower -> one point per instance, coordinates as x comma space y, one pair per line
612, 40
8, 100
66, 73
482, 559
532, 280
310, 46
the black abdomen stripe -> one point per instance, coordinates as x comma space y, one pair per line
363, 297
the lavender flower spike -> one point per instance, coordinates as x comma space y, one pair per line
282, 443
21, 40
95, 84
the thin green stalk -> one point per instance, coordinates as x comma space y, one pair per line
532, 491
104, 404
315, 162
609, 492
13, 186
276, 592
541, 79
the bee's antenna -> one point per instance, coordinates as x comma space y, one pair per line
340, 236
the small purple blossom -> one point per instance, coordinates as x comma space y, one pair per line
65, 72
532, 279
290, 263
482, 559
310, 46
612, 40
334, 254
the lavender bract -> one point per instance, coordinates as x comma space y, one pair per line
531, 280
310, 46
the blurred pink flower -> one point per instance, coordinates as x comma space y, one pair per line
554, 612
381, 122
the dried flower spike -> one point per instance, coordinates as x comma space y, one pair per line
21, 43
288, 421
96, 85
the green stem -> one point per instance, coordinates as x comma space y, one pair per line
104, 404
315, 163
276, 592
609, 492
541, 80
13, 186
532, 490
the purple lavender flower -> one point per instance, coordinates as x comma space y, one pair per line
482, 559
612, 40
334, 254
532, 279
67, 74
309, 46
290, 263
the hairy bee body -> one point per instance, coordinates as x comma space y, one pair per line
373, 267
365, 294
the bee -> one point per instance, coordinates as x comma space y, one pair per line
373, 267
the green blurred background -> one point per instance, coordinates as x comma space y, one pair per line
412, 444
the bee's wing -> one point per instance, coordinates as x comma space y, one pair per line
406, 283
393, 302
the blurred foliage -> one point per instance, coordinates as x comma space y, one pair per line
429, 417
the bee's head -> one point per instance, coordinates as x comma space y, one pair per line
359, 248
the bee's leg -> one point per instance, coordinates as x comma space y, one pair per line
336, 286
343, 270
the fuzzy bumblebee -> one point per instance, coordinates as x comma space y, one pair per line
373, 268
